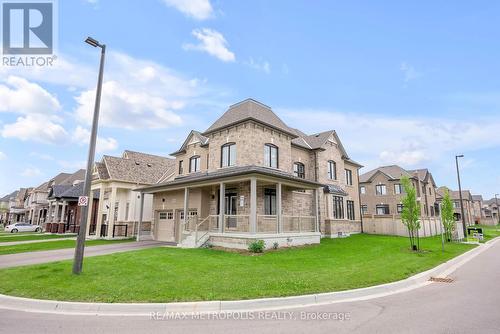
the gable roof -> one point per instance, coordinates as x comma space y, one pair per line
454, 194
135, 167
250, 109
193, 134
74, 191
477, 198
7, 198
393, 172
58, 179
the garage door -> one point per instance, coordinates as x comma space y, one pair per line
166, 226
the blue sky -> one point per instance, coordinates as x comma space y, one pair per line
402, 83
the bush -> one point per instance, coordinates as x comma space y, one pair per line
257, 246
276, 245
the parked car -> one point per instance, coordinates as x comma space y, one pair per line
22, 227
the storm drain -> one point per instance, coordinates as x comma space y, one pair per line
441, 279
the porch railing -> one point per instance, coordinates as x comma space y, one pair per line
298, 223
267, 224
207, 225
236, 223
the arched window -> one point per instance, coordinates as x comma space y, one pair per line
332, 170
194, 164
299, 170
228, 155
271, 155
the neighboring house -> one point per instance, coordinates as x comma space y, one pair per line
37, 205
382, 192
4, 207
467, 203
17, 210
114, 181
490, 210
65, 212
249, 176
477, 208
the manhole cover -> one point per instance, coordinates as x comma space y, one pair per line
441, 279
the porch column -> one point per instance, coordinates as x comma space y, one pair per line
141, 210
100, 206
316, 209
48, 218
111, 215
63, 212
90, 213
222, 203
253, 205
56, 213
278, 208
185, 208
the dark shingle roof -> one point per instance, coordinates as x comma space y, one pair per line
250, 109
7, 198
477, 198
393, 172
75, 191
334, 189
454, 194
197, 135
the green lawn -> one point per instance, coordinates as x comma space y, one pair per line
25, 237
42, 246
490, 232
172, 274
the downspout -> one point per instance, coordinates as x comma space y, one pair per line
359, 199
317, 197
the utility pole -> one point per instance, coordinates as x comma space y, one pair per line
460, 194
80, 241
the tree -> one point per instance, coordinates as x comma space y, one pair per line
411, 213
447, 216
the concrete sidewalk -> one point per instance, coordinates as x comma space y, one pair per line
146, 309
12, 243
23, 259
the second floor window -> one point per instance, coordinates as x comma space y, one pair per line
181, 167
270, 155
398, 189
299, 170
362, 189
228, 155
380, 189
332, 170
194, 164
348, 177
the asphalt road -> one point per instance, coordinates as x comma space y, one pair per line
23, 259
470, 304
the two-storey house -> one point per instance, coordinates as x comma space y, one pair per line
250, 176
467, 203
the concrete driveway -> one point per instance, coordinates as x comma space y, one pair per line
469, 304
23, 259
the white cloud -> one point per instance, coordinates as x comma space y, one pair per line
198, 9
31, 172
81, 136
409, 72
374, 140
71, 165
18, 95
138, 94
261, 65
213, 43
36, 128
3, 156
41, 156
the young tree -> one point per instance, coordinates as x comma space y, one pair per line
411, 213
447, 216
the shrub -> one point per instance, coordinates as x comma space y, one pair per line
257, 246
276, 245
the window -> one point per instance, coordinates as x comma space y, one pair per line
127, 209
269, 201
299, 170
432, 211
338, 207
194, 164
270, 155
398, 189
382, 209
380, 189
116, 212
399, 208
348, 177
162, 215
332, 170
362, 189
456, 205
364, 208
350, 210
228, 155
170, 215
430, 191
181, 167
423, 190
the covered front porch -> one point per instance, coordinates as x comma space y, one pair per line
281, 211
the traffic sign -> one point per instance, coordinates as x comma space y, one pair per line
83, 200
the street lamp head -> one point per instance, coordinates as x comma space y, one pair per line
459, 156
92, 42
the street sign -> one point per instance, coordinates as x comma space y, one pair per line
83, 200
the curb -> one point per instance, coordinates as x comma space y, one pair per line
147, 309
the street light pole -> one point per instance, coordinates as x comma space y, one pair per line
80, 241
460, 194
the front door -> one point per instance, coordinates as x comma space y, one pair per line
165, 230
230, 209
